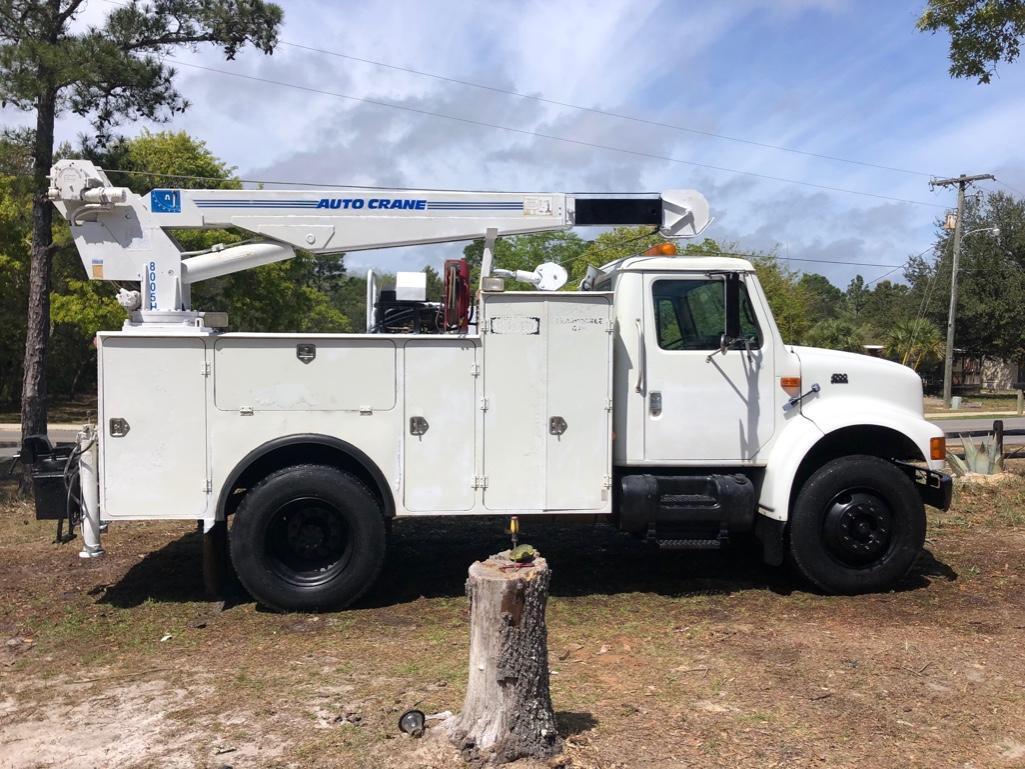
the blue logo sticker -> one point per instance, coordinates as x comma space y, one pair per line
165, 201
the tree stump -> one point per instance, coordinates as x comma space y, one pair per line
507, 713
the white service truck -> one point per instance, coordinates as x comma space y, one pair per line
659, 397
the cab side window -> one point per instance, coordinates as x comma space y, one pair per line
691, 314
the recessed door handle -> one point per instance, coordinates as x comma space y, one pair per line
655, 404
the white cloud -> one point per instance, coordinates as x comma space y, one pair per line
822, 75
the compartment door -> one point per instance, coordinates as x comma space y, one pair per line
440, 389
158, 468
579, 392
515, 420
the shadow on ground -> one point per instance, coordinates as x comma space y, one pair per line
429, 558
571, 723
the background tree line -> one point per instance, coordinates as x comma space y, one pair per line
311, 293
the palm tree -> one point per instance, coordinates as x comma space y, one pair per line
837, 334
915, 342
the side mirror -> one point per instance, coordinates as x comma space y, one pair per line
725, 341
733, 305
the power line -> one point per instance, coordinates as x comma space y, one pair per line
1008, 186
593, 110
885, 275
542, 135
605, 113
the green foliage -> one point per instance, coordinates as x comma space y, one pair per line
525, 252
823, 298
298, 295
614, 244
982, 33
109, 73
76, 315
787, 298
886, 305
115, 72
915, 343
837, 334
287, 296
172, 157
991, 279
15, 226
278, 297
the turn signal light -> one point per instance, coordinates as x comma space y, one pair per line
938, 448
662, 249
790, 382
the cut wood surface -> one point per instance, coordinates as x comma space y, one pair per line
507, 713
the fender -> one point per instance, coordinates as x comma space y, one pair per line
333, 445
836, 413
788, 450
801, 436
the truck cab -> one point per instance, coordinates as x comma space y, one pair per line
658, 397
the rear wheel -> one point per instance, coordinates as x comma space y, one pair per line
308, 537
858, 525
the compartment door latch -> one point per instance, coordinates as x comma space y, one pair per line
557, 425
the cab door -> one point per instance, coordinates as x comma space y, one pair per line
701, 404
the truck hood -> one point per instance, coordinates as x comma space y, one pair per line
861, 377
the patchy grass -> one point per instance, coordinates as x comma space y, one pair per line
658, 659
74, 410
981, 402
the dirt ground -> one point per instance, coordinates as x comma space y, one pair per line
658, 659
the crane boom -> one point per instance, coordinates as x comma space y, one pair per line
121, 235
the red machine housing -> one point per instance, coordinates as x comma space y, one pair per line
457, 295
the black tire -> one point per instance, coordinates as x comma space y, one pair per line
858, 525
308, 537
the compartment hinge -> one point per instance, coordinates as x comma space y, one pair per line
608, 404
480, 481
475, 369
606, 481
483, 404
208, 486
205, 370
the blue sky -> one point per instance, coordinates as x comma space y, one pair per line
836, 77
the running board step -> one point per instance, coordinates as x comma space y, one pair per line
689, 544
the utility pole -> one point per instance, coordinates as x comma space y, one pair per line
962, 183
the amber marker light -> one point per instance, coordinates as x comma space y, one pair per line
790, 382
662, 249
938, 447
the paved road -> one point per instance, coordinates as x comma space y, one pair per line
10, 439
958, 425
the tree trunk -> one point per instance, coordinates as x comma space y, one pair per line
37, 332
507, 713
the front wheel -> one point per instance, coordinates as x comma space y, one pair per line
858, 525
308, 537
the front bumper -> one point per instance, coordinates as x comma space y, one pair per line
935, 488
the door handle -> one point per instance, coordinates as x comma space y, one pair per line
655, 404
